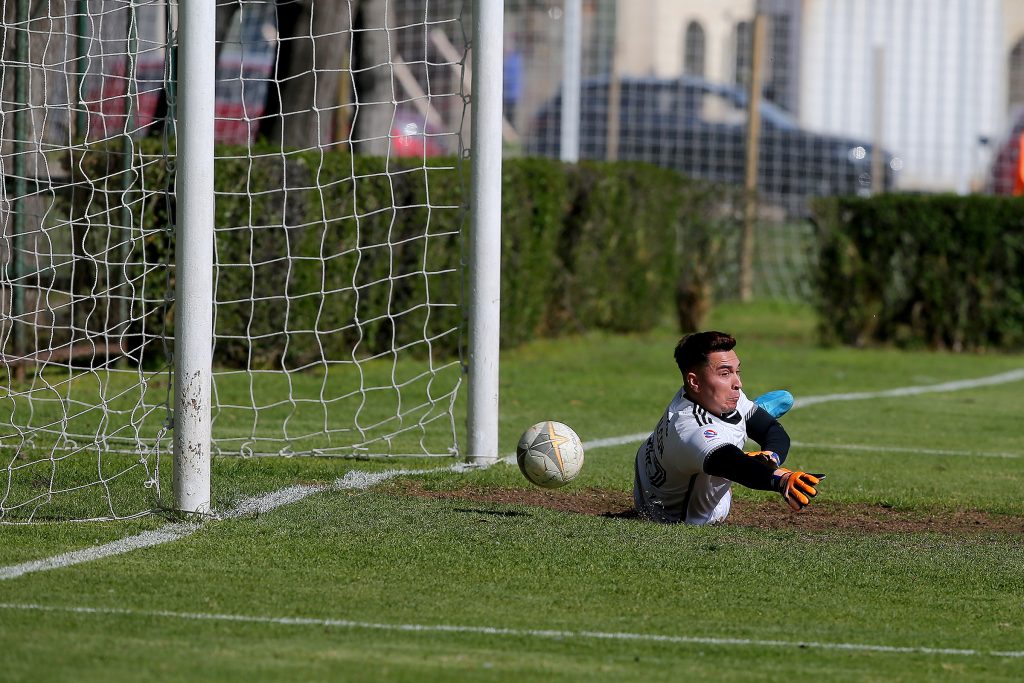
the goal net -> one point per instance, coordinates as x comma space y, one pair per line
337, 276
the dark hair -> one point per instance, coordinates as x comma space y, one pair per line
692, 350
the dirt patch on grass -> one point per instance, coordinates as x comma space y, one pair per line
821, 516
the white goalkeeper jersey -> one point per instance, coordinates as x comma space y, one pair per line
670, 483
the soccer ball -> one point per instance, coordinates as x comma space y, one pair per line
550, 454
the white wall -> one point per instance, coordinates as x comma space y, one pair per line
943, 87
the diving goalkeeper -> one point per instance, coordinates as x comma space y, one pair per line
685, 469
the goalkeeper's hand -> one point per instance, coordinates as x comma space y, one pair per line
767, 457
797, 488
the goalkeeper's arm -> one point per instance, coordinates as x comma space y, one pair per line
797, 488
769, 434
731, 463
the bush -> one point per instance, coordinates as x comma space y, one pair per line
939, 271
535, 197
358, 257
617, 248
638, 242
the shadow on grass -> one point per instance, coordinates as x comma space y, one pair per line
493, 513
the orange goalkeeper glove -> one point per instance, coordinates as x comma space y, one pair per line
797, 488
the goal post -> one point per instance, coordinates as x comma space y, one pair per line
485, 202
194, 291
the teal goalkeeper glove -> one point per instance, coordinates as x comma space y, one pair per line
797, 488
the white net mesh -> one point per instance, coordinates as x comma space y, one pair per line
84, 293
337, 231
339, 194
337, 240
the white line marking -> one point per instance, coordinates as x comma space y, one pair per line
146, 539
269, 501
615, 441
172, 532
497, 631
638, 438
898, 449
958, 385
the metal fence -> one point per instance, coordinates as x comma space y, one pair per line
933, 85
853, 96
936, 86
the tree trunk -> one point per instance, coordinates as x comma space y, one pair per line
374, 80
313, 38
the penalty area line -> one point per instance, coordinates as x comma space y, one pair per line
353, 480
958, 385
903, 449
513, 632
638, 438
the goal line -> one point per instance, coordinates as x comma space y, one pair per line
356, 479
353, 480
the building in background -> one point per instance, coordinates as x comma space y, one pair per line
941, 90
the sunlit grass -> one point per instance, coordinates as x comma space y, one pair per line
381, 557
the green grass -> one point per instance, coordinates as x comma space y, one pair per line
381, 557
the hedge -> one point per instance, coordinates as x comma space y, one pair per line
942, 271
342, 250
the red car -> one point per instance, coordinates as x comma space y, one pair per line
244, 74
1004, 170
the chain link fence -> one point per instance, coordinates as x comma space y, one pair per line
853, 96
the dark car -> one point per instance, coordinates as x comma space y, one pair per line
700, 129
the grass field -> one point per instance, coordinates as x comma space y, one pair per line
476, 575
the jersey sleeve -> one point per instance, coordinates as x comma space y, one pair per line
745, 406
733, 464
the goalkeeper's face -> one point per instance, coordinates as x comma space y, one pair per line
716, 386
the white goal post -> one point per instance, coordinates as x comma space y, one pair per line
193, 296
485, 201
236, 228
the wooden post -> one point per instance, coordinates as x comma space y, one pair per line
878, 152
614, 100
753, 140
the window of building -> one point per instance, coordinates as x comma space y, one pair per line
694, 49
743, 43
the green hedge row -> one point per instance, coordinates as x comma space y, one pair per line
360, 256
938, 271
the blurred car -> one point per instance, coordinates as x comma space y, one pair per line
412, 136
244, 76
1003, 171
700, 128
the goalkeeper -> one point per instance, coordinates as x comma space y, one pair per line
685, 469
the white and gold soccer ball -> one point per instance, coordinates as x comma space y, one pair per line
550, 454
